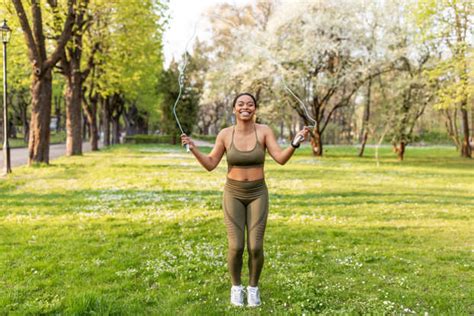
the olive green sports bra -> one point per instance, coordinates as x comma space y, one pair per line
245, 159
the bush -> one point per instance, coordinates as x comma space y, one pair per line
433, 138
207, 138
148, 139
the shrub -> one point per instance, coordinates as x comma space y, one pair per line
207, 138
148, 139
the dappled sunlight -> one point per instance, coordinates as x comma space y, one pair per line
148, 220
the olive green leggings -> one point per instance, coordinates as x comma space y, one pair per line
245, 204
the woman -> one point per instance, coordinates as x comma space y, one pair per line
245, 199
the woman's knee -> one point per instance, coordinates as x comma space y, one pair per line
255, 251
236, 250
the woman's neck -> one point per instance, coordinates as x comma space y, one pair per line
245, 126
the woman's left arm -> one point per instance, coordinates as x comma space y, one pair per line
281, 156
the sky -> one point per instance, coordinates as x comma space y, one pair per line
185, 15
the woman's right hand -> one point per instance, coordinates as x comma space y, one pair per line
186, 140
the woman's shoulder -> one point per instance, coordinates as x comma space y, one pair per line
225, 130
223, 133
262, 127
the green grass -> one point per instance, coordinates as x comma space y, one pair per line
138, 229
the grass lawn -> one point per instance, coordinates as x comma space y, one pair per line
139, 229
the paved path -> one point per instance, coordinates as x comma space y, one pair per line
19, 156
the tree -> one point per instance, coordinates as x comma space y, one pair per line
128, 63
326, 72
230, 69
42, 65
414, 95
71, 69
18, 77
90, 99
449, 25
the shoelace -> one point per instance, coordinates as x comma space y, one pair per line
253, 292
236, 293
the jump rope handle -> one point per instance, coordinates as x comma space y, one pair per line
186, 145
297, 140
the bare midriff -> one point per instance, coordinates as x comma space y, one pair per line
245, 174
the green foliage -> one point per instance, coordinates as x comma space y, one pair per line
207, 138
139, 230
18, 65
446, 25
148, 139
433, 138
130, 55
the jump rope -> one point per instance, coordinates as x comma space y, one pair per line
182, 71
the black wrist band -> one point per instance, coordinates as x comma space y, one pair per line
298, 146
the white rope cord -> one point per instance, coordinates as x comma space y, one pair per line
182, 72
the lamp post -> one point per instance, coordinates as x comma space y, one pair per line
5, 32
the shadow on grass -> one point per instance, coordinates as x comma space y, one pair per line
367, 197
342, 203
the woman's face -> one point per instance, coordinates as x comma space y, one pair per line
244, 108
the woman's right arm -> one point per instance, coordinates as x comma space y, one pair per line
209, 162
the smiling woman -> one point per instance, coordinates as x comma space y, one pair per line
245, 198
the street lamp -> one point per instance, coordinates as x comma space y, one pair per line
5, 32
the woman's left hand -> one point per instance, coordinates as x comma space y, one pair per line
304, 132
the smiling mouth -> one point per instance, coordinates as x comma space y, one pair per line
245, 113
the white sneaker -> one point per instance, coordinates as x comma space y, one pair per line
237, 295
253, 296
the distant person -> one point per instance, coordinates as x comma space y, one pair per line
245, 199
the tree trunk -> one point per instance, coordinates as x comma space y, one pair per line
466, 150
115, 130
364, 142
472, 126
57, 112
135, 122
94, 134
12, 129
90, 112
41, 92
118, 108
451, 126
41, 83
73, 116
106, 120
401, 151
365, 122
24, 121
85, 127
71, 62
460, 51
316, 143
